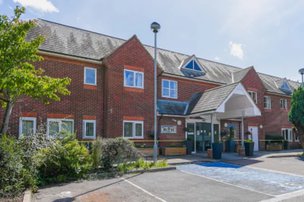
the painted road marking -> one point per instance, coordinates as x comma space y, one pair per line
142, 189
273, 183
285, 196
275, 171
245, 188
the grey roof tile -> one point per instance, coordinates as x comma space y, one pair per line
213, 98
77, 42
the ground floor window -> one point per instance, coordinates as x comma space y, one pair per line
133, 129
27, 126
287, 134
89, 129
59, 126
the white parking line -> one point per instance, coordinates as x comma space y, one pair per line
274, 171
245, 188
142, 189
285, 196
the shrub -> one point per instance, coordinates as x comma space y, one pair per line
108, 153
13, 175
65, 159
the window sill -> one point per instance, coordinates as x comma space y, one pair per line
133, 138
173, 98
89, 87
267, 110
88, 138
136, 90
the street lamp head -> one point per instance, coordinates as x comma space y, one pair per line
301, 71
155, 27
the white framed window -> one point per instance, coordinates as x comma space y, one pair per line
89, 129
287, 134
59, 126
267, 102
27, 126
133, 129
283, 103
134, 79
253, 96
169, 88
90, 76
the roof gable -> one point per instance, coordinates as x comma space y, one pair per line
191, 67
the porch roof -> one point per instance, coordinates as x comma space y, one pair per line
229, 101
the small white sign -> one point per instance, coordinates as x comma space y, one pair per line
168, 129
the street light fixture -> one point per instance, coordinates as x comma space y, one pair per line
301, 71
155, 27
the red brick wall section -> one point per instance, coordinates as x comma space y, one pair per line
123, 101
171, 121
82, 101
252, 82
276, 118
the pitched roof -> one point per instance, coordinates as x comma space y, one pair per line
77, 42
213, 98
239, 75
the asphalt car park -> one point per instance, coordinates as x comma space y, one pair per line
219, 181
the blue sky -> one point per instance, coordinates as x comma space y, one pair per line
268, 34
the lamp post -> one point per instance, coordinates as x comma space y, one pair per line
301, 71
155, 27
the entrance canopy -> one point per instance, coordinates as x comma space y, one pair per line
230, 101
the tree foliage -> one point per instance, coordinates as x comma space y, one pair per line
296, 114
18, 76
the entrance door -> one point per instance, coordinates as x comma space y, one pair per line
255, 136
190, 137
203, 136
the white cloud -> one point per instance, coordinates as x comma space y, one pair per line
1, 1
236, 50
41, 5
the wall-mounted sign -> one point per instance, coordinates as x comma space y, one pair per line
167, 129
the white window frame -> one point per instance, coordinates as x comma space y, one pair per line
84, 126
34, 119
284, 102
256, 96
268, 102
134, 79
176, 84
133, 129
289, 134
60, 125
85, 75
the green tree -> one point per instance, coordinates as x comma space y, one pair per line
18, 76
296, 113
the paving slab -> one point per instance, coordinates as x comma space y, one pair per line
263, 181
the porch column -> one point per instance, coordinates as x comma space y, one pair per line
194, 137
219, 131
242, 130
212, 129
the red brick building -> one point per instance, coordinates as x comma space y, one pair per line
112, 93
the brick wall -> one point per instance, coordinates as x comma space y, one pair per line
125, 101
81, 102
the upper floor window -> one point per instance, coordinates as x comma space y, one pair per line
58, 126
287, 134
133, 79
169, 88
283, 103
89, 129
90, 76
133, 129
253, 96
193, 66
267, 102
27, 126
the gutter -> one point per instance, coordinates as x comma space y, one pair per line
65, 56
